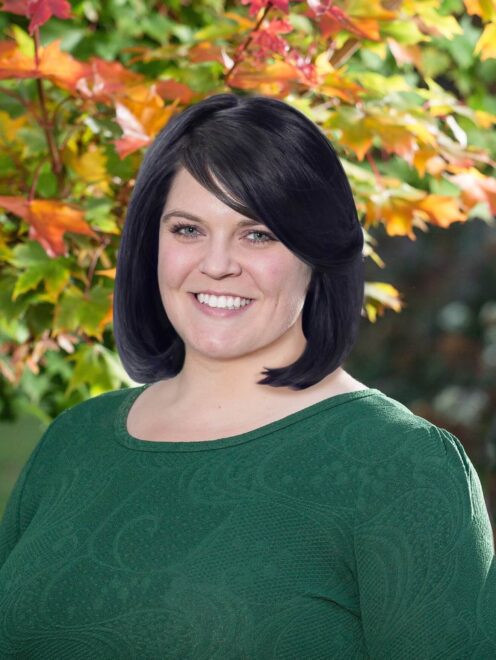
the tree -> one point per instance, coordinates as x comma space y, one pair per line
401, 88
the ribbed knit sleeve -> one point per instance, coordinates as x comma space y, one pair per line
425, 553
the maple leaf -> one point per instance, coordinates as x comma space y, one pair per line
486, 45
141, 114
476, 187
49, 219
103, 80
441, 210
39, 11
90, 166
54, 64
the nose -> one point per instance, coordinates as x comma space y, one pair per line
219, 259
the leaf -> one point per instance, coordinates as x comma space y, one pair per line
354, 133
91, 312
404, 32
401, 207
48, 220
39, 11
103, 81
486, 9
10, 126
403, 53
141, 114
432, 22
476, 188
441, 210
380, 296
35, 267
55, 65
89, 166
395, 208
486, 45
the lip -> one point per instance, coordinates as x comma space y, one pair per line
217, 311
220, 293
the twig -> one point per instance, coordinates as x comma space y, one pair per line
246, 43
46, 123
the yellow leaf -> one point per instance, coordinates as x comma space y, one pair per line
485, 119
486, 9
369, 9
90, 166
486, 45
437, 24
426, 159
9, 126
380, 296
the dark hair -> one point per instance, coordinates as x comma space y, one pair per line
281, 170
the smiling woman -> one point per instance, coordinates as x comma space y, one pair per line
210, 513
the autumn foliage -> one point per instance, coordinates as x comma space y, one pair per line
400, 87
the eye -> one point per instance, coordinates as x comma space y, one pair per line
268, 238
179, 227
176, 229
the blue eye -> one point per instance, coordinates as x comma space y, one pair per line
178, 227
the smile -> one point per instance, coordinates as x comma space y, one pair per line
221, 312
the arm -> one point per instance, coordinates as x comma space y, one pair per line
16, 518
424, 550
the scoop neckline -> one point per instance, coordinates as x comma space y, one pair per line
122, 435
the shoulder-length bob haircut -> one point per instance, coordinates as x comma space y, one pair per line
280, 169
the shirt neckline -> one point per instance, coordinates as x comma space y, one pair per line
122, 435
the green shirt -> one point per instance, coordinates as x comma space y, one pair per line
349, 529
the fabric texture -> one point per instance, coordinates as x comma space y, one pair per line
349, 529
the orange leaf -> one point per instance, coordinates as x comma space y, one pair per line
476, 187
205, 51
49, 219
441, 210
396, 212
268, 78
427, 159
141, 115
173, 89
55, 65
486, 9
103, 80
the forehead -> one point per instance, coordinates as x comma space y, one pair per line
187, 198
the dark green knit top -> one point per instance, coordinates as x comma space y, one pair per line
349, 529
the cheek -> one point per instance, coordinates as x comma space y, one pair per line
173, 266
284, 276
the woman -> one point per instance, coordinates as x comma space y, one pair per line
213, 514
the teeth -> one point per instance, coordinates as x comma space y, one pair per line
225, 302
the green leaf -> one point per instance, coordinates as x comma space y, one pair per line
405, 32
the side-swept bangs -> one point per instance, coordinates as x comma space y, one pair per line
277, 167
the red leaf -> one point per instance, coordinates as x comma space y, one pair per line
16, 6
39, 11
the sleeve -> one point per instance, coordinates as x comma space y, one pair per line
424, 550
13, 521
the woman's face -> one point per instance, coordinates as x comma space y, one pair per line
217, 255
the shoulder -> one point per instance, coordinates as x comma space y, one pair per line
82, 421
410, 459
386, 428
96, 409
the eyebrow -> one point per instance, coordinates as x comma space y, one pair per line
248, 222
